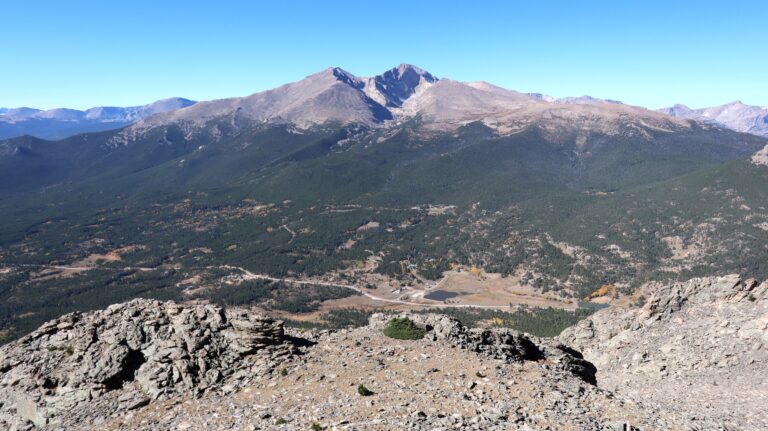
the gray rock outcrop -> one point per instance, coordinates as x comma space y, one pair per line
454, 378
121, 358
699, 347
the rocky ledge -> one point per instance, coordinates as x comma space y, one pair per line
699, 347
90, 365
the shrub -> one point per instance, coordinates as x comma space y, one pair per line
363, 391
403, 328
281, 421
316, 427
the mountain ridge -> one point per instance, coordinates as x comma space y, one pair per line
60, 123
402, 94
336, 95
735, 115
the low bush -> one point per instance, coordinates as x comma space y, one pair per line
403, 328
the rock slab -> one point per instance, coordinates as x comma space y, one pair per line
121, 358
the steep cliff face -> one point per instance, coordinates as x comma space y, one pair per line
700, 347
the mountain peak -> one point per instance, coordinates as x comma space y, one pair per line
343, 75
393, 87
404, 68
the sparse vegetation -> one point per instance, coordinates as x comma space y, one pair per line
363, 391
281, 421
68, 350
403, 328
316, 427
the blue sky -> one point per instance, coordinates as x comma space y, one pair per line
651, 53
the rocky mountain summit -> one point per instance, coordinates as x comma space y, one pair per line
332, 95
698, 347
148, 365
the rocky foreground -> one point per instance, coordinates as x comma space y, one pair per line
693, 357
81, 368
698, 347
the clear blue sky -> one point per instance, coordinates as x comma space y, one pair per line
653, 53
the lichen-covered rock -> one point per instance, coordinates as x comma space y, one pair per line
123, 357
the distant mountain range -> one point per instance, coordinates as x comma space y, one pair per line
61, 123
402, 94
405, 97
736, 116
336, 95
